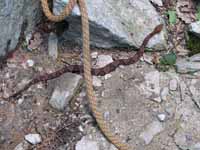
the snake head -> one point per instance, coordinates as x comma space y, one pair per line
158, 28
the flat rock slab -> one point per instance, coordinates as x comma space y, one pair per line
115, 23
64, 89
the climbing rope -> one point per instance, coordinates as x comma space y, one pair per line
87, 65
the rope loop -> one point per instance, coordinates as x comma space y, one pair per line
57, 18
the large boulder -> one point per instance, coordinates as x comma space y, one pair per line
13, 13
115, 23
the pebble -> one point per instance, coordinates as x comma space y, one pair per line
86, 144
107, 76
94, 55
103, 60
33, 138
30, 63
96, 82
173, 85
161, 117
20, 101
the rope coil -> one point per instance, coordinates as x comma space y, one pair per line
87, 64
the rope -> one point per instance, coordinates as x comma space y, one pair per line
87, 65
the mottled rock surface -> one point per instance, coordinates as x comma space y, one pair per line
115, 23
13, 13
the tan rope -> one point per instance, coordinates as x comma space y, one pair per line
87, 65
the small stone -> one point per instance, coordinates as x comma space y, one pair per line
173, 85
161, 117
151, 130
86, 144
96, 81
53, 45
20, 101
64, 89
94, 55
30, 63
81, 128
164, 93
33, 138
103, 60
157, 100
107, 76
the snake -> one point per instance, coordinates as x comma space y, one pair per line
86, 69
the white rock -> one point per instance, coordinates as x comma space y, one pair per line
107, 76
103, 60
30, 63
161, 117
173, 85
158, 2
151, 130
157, 100
33, 138
20, 101
96, 81
94, 55
86, 144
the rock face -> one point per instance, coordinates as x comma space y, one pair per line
115, 23
13, 13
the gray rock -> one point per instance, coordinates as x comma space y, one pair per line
195, 28
12, 15
53, 46
65, 87
151, 130
33, 138
103, 60
86, 144
116, 23
186, 66
157, 2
